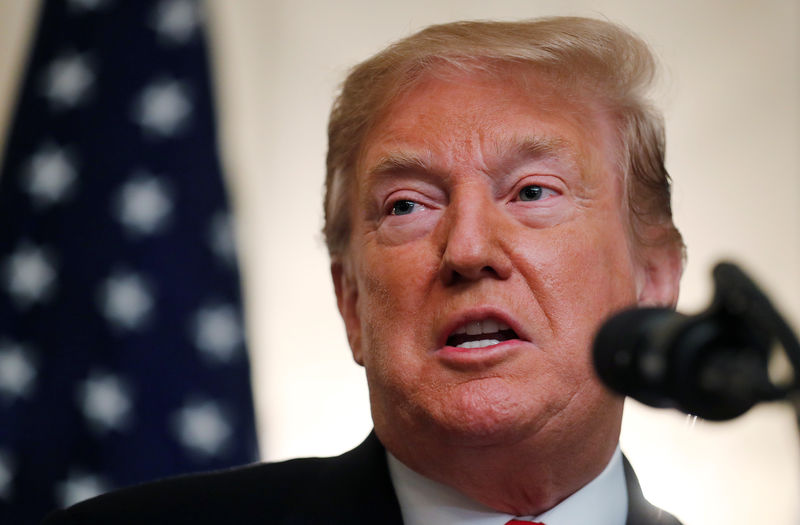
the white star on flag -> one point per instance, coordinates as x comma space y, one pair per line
202, 428
163, 108
29, 275
67, 80
143, 204
222, 238
105, 401
6, 475
80, 486
50, 175
126, 300
17, 371
176, 20
86, 5
217, 331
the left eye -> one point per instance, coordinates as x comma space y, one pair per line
531, 193
404, 207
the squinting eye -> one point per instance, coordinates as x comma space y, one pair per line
403, 207
531, 193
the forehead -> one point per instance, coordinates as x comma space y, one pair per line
451, 116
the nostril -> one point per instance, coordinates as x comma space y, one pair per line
455, 278
460, 276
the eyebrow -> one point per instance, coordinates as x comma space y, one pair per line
535, 148
509, 150
400, 161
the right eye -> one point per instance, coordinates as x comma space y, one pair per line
404, 207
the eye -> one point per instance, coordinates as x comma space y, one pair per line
531, 193
405, 207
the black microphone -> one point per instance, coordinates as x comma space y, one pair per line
713, 364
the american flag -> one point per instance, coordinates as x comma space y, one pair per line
122, 355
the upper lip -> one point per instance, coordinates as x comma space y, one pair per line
480, 314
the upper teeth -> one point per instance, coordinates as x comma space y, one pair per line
478, 344
487, 326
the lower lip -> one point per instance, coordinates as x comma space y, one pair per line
483, 357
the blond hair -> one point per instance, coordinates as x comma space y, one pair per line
614, 65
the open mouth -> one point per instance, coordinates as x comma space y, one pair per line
480, 334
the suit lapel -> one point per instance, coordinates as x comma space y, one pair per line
360, 487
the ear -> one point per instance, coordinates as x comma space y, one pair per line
659, 275
347, 301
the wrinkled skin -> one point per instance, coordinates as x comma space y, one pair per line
479, 197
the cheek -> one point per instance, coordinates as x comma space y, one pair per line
393, 288
580, 275
595, 263
397, 277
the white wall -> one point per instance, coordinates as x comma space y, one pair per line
732, 102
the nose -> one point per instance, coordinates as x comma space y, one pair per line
475, 239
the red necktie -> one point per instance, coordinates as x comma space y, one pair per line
520, 522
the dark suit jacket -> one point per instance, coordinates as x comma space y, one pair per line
350, 489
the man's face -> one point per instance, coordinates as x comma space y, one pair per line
488, 243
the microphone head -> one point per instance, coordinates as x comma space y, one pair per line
626, 358
705, 365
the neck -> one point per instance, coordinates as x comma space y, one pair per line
519, 477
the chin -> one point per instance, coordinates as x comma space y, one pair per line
483, 413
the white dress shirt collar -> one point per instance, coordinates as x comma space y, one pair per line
603, 501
